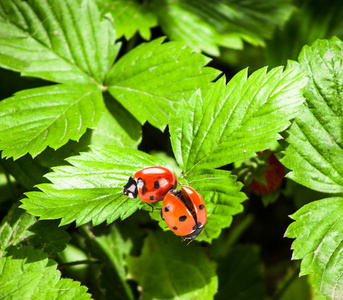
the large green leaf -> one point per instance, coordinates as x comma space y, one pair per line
150, 80
318, 231
60, 40
27, 273
313, 144
130, 16
169, 269
48, 116
222, 196
92, 188
232, 122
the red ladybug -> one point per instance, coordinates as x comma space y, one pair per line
150, 184
184, 212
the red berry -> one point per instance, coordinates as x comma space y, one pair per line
273, 175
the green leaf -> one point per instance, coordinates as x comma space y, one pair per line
116, 127
309, 22
47, 116
27, 171
222, 196
313, 144
318, 231
169, 269
206, 24
109, 246
130, 16
91, 189
21, 228
150, 80
62, 41
240, 275
28, 273
184, 24
233, 122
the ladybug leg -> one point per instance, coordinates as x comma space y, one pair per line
162, 215
152, 208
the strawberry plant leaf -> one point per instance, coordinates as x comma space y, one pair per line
222, 196
21, 228
203, 25
168, 269
180, 21
130, 16
91, 189
313, 144
35, 278
233, 122
317, 229
47, 116
62, 41
150, 80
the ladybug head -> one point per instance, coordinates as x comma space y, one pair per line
130, 189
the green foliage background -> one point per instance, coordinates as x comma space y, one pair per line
94, 90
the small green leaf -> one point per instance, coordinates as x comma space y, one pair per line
150, 80
313, 144
47, 116
62, 41
170, 269
222, 196
92, 188
21, 228
233, 122
318, 231
240, 275
130, 16
28, 274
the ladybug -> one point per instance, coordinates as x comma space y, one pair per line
184, 212
150, 184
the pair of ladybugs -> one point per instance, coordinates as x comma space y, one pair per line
183, 210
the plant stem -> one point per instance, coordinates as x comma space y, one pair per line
78, 262
285, 286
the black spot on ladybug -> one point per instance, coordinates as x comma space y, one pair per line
156, 185
166, 209
151, 197
201, 206
175, 228
182, 218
